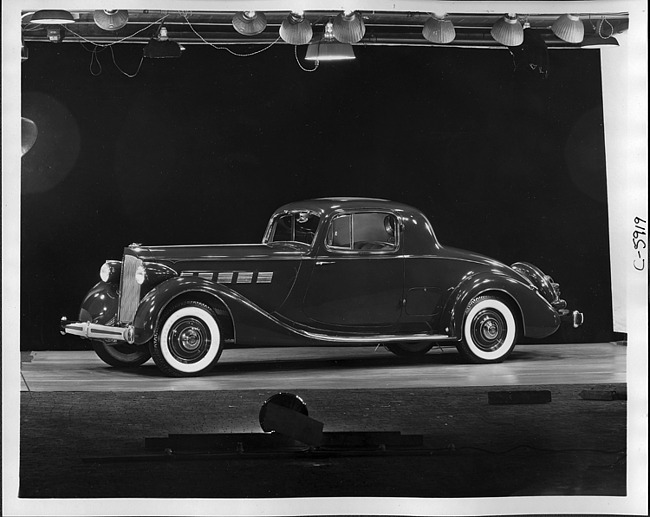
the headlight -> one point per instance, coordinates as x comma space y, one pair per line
140, 274
110, 271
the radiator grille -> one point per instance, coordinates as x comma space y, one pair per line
129, 289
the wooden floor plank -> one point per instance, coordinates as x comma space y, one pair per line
334, 368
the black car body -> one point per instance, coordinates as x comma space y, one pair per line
328, 271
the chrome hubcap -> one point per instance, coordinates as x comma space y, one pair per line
489, 330
190, 338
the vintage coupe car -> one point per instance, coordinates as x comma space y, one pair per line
334, 271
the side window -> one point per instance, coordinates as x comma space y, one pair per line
368, 231
295, 227
283, 230
340, 232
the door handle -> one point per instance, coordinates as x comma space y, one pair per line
324, 262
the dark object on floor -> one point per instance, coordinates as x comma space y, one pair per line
604, 394
519, 397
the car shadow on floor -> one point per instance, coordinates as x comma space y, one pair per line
447, 357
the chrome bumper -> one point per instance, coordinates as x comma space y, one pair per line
88, 330
576, 316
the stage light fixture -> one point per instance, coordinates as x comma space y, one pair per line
348, 27
569, 28
52, 17
296, 29
28, 134
327, 48
437, 29
162, 47
249, 23
111, 19
508, 31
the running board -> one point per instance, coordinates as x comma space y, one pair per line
378, 339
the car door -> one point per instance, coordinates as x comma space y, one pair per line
357, 275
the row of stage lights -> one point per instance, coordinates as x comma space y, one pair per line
341, 31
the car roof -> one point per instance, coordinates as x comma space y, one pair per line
330, 204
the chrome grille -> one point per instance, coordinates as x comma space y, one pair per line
129, 289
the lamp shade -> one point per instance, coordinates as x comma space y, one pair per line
28, 134
296, 29
249, 23
52, 17
508, 31
348, 27
569, 28
438, 30
111, 20
328, 48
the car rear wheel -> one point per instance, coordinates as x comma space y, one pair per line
187, 340
410, 349
121, 355
489, 331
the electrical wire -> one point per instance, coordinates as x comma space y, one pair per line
185, 16
94, 59
122, 71
295, 51
126, 38
604, 20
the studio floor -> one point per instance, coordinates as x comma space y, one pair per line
84, 425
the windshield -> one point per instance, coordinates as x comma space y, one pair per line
294, 227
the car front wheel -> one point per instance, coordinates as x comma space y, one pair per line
489, 331
187, 341
121, 355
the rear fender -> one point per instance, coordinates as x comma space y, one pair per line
538, 317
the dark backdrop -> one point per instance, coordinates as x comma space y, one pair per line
201, 149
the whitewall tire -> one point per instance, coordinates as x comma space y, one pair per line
489, 331
187, 341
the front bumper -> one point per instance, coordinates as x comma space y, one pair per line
88, 330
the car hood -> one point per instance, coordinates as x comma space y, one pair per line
216, 252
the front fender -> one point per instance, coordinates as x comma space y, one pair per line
539, 318
252, 326
100, 304
154, 302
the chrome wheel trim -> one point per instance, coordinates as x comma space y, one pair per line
490, 329
190, 340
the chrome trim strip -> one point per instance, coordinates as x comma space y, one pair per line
225, 277
245, 277
380, 338
264, 277
206, 275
